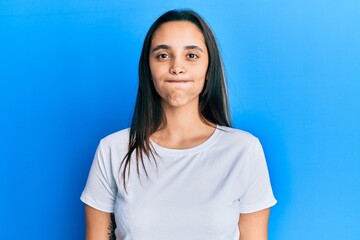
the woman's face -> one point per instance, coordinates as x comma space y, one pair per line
178, 63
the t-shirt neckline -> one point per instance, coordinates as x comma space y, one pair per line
186, 151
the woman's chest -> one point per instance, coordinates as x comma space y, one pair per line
199, 201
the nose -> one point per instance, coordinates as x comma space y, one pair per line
176, 68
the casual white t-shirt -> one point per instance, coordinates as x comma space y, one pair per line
196, 193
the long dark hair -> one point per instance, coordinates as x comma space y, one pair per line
148, 115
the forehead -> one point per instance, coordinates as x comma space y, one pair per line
178, 33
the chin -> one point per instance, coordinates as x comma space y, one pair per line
180, 100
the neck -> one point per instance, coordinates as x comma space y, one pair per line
184, 128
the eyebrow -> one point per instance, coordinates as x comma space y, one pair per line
167, 47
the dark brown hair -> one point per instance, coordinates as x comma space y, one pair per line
148, 115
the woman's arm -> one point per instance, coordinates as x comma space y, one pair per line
254, 226
99, 225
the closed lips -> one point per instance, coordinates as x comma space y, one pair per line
177, 81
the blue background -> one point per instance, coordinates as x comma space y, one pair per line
68, 75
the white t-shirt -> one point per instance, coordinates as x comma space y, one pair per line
196, 193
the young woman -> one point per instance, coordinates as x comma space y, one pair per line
180, 171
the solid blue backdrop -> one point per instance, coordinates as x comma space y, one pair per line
68, 77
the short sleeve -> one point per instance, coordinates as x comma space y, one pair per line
258, 194
100, 190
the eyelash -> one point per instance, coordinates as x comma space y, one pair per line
161, 56
195, 56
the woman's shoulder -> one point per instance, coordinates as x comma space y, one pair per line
120, 137
236, 135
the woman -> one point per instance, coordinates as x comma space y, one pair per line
180, 171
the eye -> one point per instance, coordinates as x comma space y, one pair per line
162, 56
192, 55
